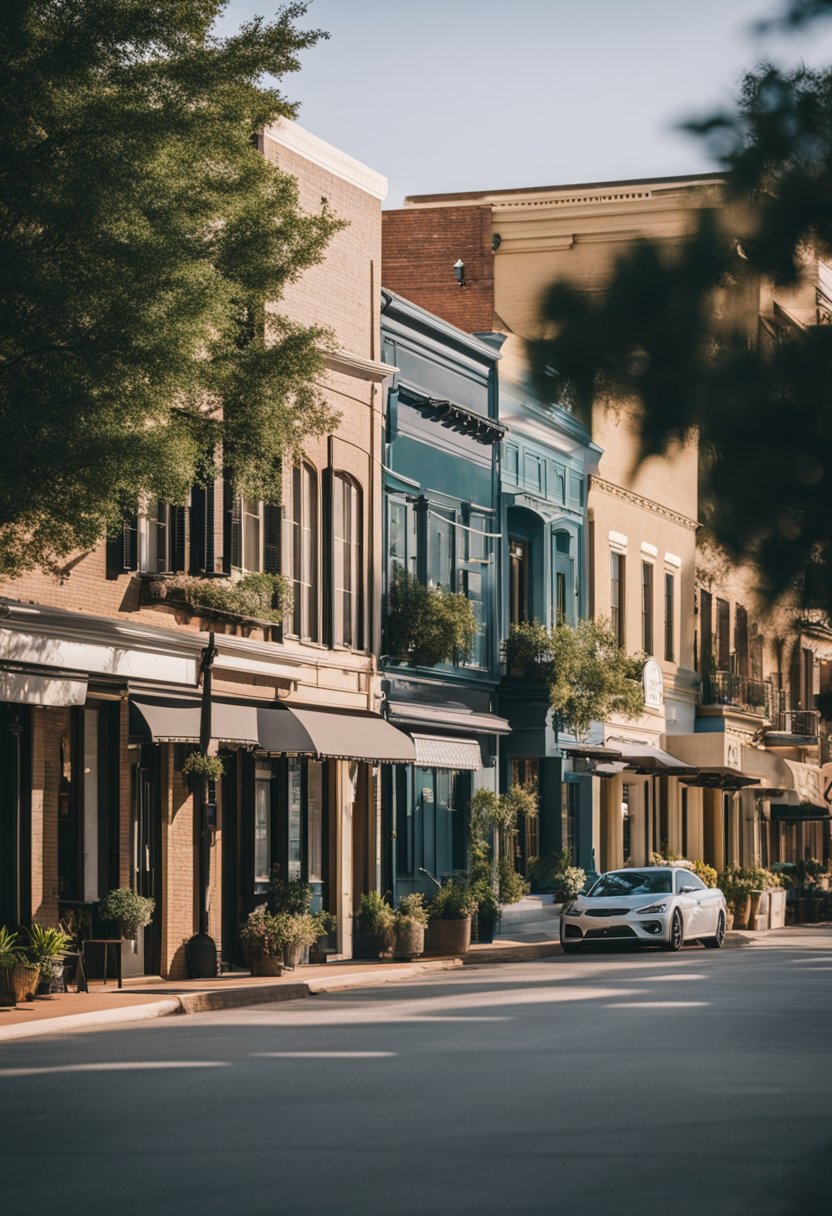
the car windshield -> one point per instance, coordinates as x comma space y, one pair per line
633, 882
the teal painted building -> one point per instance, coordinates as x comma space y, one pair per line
442, 450
546, 462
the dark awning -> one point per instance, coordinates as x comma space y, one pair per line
441, 717
169, 721
719, 777
651, 761
333, 734
590, 751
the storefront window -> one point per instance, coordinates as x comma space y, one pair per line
262, 827
295, 802
314, 811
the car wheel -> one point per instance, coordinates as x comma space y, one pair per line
677, 932
715, 942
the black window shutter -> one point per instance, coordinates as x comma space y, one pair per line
123, 547
179, 538
197, 537
210, 545
271, 538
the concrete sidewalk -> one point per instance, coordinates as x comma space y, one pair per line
145, 997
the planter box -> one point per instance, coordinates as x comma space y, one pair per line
18, 984
367, 945
449, 936
267, 964
410, 941
486, 928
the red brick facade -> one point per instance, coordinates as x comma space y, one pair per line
419, 249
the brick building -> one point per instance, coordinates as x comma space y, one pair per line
100, 660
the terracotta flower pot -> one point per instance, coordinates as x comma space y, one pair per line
19, 983
450, 936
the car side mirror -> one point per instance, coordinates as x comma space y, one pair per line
687, 890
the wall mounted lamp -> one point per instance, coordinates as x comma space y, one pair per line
459, 271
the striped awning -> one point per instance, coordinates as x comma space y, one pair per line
439, 751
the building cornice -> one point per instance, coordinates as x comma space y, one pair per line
638, 500
293, 137
359, 368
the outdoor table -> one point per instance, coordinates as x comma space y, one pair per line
106, 942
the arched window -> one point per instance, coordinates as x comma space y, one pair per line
348, 565
301, 556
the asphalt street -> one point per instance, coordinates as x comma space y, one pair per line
616, 1083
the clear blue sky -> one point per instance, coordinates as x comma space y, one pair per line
446, 95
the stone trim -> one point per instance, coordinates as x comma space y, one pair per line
638, 500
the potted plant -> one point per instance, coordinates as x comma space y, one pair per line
197, 764
128, 909
18, 975
262, 943
528, 650
488, 913
737, 886
48, 947
409, 922
374, 926
449, 916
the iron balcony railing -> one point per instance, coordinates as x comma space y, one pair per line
739, 692
803, 722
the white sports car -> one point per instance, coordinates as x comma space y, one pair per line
668, 905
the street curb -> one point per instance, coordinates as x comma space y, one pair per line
214, 1000
97, 1017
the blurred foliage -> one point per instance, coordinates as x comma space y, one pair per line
677, 339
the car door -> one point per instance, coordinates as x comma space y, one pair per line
688, 902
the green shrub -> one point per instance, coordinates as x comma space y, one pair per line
266, 933
707, 873
10, 952
198, 764
291, 895
528, 649
127, 908
454, 900
511, 885
374, 913
257, 596
428, 625
412, 908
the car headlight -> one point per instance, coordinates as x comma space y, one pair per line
573, 910
651, 910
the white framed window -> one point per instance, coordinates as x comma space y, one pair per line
156, 537
347, 525
262, 825
301, 552
247, 533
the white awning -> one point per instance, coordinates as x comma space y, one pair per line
438, 751
644, 758
34, 688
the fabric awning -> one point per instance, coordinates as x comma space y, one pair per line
440, 751
646, 759
803, 783
591, 751
178, 722
333, 734
719, 777
37, 688
450, 717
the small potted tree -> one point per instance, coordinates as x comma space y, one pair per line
374, 921
409, 923
449, 918
128, 909
488, 912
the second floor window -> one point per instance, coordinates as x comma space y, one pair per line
723, 635
347, 527
518, 586
669, 617
301, 552
247, 535
617, 564
647, 607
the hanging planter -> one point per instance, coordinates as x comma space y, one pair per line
198, 764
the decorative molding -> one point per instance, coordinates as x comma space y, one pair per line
673, 559
649, 549
348, 364
617, 538
638, 500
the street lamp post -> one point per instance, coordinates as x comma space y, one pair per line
201, 949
